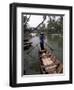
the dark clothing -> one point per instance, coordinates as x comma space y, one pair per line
42, 46
42, 37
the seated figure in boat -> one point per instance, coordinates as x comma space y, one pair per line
42, 38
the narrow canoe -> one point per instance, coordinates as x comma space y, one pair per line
49, 63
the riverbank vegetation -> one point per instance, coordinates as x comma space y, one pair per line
52, 27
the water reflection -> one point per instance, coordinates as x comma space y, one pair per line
55, 41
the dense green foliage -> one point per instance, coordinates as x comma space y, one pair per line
53, 25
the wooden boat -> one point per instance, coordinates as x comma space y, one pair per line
27, 45
49, 63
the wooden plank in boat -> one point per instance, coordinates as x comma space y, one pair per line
47, 61
50, 63
60, 68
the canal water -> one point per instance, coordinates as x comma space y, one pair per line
31, 56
